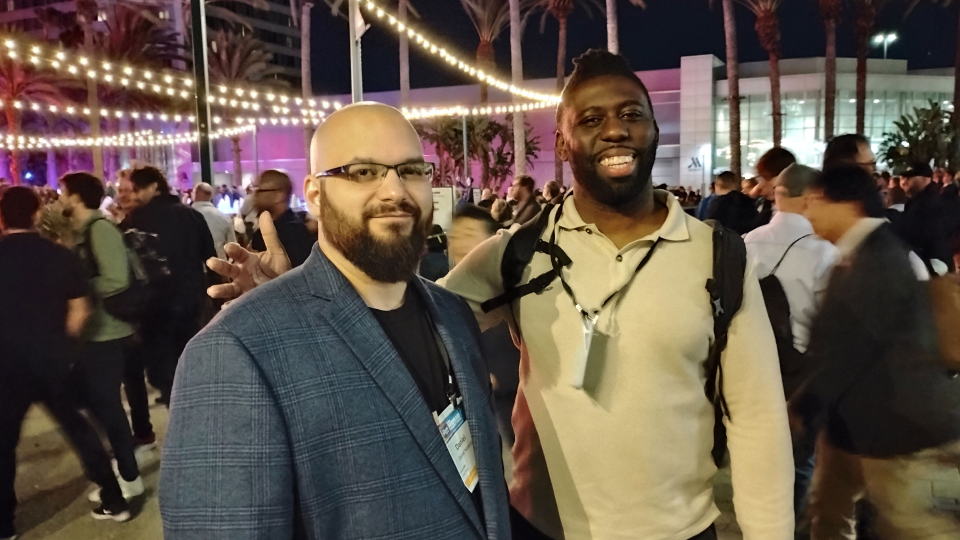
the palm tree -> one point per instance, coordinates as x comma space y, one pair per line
866, 17
403, 8
516, 69
240, 59
733, 83
768, 30
613, 38
489, 17
830, 11
19, 82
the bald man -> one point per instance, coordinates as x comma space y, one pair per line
346, 399
271, 193
220, 225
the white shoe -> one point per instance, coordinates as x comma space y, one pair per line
129, 490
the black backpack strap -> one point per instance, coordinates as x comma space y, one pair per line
523, 244
726, 297
784, 256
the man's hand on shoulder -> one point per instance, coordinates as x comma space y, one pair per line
248, 269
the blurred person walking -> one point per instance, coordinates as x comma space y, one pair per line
925, 224
886, 409
769, 167
43, 308
850, 150
794, 266
527, 206
100, 364
185, 241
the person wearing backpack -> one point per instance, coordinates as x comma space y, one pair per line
882, 399
794, 266
100, 365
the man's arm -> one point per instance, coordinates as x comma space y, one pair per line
757, 431
477, 279
78, 311
227, 471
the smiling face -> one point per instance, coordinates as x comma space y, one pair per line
381, 227
609, 136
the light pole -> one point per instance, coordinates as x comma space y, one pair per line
885, 40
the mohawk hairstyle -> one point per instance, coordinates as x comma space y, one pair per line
597, 63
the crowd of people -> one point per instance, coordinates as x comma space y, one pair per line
622, 348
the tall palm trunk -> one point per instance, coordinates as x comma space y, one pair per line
486, 63
306, 82
13, 125
613, 41
830, 99
516, 69
955, 116
561, 71
237, 166
733, 84
404, 55
866, 15
768, 29
86, 12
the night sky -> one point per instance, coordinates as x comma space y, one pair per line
654, 38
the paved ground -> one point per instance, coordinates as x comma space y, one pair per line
54, 506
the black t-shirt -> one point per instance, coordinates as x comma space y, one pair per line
39, 278
411, 332
293, 235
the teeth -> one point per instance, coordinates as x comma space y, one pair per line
616, 160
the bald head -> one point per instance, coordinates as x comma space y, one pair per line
202, 192
364, 132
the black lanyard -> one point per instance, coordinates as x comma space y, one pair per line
558, 267
450, 385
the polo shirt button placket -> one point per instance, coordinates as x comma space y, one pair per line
589, 231
619, 258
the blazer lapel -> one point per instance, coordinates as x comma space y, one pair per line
476, 406
350, 317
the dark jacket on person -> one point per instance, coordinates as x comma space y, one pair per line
880, 389
764, 207
925, 226
185, 241
294, 236
734, 210
526, 211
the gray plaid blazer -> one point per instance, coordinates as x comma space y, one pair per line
293, 416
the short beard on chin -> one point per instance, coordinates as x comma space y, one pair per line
614, 193
392, 260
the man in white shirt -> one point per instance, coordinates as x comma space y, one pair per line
220, 225
789, 249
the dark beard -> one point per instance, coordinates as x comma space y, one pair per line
387, 261
614, 193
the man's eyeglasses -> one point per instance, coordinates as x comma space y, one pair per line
372, 174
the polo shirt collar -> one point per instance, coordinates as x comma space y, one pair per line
852, 239
791, 220
674, 228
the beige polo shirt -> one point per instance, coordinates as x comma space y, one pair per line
627, 456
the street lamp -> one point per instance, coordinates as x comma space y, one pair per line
885, 40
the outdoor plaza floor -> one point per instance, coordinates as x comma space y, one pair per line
53, 491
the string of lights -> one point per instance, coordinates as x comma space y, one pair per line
457, 110
123, 140
436, 50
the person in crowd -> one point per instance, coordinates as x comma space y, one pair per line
850, 149
220, 224
527, 206
501, 212
354, 315
487, 198
747, 185
185, 241
732, 208
100, 363
788, 249
608, 227
896, 202
43, 306
272, 192
880, 397
471, 226
435, 264
769, 167
552, 192
705, 202
924, 224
